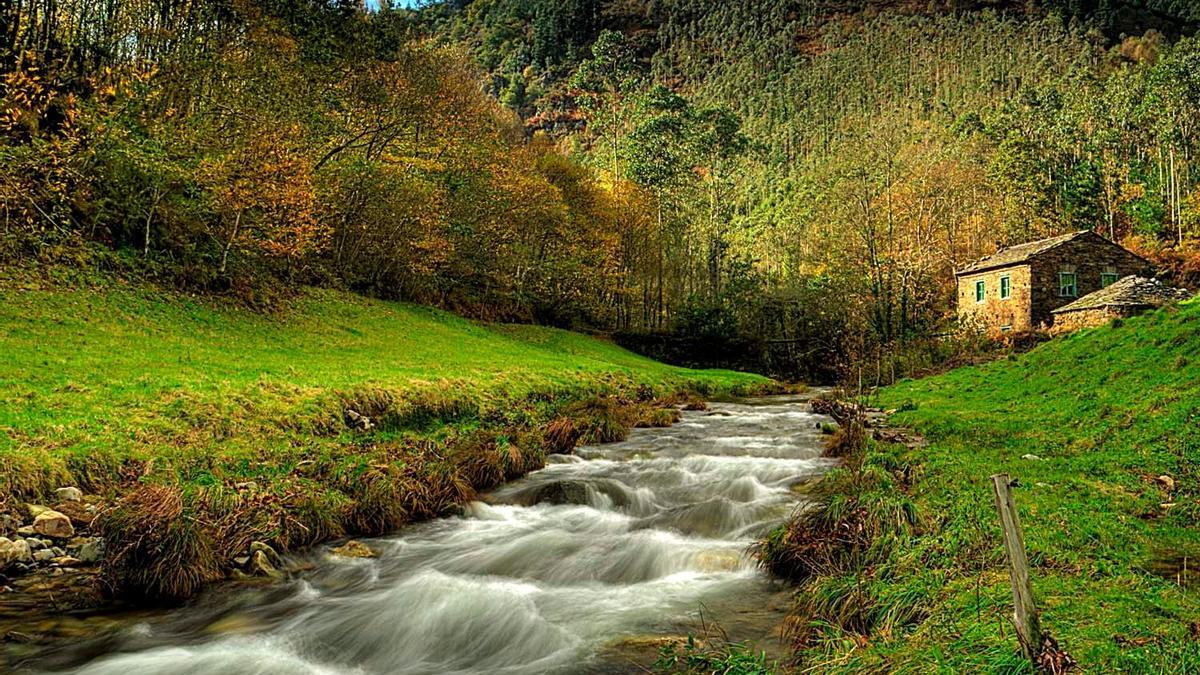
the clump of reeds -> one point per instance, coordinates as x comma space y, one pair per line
602, 419
158, 548
650, 416
562, 434
855, 603
860, 517
847, 440
312, 516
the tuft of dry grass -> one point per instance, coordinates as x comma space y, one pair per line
847, 441
562, 435
657, 417
603, 419
158, 548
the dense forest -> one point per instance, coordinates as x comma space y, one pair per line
792, 181
242, 147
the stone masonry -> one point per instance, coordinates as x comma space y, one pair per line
1035, 271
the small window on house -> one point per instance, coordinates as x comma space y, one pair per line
1108, 279
980, 291
1005, 288
1067, 287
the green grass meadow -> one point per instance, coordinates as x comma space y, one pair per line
239, 420
134, 372
1105, 411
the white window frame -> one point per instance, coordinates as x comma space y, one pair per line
1006, 287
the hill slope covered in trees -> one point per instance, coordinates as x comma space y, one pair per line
865, 149
792, 179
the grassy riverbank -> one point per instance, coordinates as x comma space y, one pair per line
915, 579
202, 427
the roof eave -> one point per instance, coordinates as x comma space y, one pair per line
991, 268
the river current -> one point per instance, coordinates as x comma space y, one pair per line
556, 573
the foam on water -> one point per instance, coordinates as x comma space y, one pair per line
621, 539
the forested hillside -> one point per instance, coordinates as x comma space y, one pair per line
248, 147
790, 181
865, 149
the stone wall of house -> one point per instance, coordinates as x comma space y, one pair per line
995, 313
1088, 257
1067, 322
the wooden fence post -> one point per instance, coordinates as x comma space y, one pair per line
1025, 615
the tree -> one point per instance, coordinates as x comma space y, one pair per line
718, 144
603, 87
262, 193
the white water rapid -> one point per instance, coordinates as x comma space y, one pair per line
548, 574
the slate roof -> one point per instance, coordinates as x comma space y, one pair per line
1021, 253
1132, 291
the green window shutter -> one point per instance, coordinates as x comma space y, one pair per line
1005, 288
1067, 287
980, 291
1107, 279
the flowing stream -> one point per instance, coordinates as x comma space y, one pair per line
575, 568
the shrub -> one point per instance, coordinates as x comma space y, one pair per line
158, 547
562, 435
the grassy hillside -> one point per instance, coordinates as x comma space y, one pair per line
1105, 412
122, 389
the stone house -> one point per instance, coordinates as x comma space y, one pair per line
1019, 287
1129, 296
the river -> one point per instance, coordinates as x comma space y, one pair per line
575, 568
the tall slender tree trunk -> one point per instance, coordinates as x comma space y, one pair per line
237, 225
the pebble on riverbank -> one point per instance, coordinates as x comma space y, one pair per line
47, 541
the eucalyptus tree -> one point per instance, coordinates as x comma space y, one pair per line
604, 87
657, 158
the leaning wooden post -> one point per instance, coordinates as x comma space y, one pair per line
1025, 615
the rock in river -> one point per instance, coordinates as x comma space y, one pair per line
260, 565
90, 550
355, 549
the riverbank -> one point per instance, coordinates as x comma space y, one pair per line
902, 568
591, 565
196, 430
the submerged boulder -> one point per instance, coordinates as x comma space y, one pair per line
355, 549
558, 492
